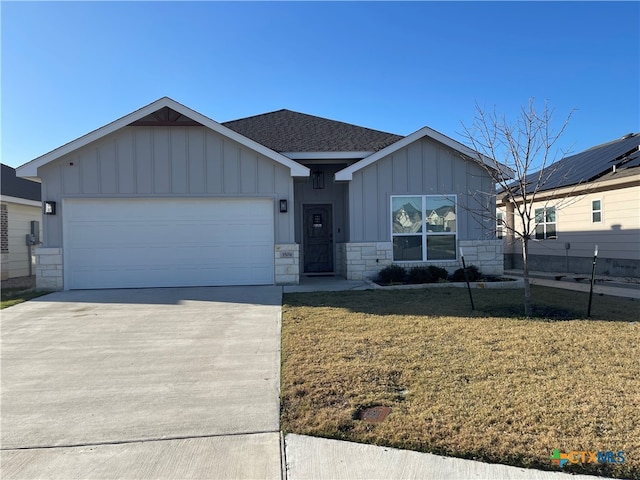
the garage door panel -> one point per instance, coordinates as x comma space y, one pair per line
146, 243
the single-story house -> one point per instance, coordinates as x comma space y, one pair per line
20, 215
588, 199
165, 196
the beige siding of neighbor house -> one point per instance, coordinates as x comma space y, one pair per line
617, 234
424, 167
15, 262
165, 162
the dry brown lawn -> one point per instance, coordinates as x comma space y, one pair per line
487, 385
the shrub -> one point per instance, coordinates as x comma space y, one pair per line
438, 273
420, 274
430, 274
472, 272
392, 274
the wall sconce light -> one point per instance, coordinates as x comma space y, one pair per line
318, 180
283, 205
49, 208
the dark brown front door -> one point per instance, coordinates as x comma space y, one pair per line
318, 238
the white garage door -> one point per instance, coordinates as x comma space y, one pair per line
167, 243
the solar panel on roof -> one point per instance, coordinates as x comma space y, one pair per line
634, 162
587, 165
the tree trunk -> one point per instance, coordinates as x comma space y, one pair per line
525, 274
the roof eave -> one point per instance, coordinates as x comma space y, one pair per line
327, 155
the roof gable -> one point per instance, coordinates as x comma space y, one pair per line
346, 174
288, 131
161, 112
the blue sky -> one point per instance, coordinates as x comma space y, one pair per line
69, 68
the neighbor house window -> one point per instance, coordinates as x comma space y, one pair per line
596, 211
499, 225
546, 223
423, 227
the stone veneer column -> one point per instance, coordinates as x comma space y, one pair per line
287, 264
49, 269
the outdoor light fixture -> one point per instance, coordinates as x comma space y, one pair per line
318, 180
49, 208
283, 205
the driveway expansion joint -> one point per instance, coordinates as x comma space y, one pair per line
143, 440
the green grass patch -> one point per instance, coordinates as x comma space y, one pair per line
488, 385
12, 296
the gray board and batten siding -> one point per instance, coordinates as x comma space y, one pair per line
157, 162
424, 167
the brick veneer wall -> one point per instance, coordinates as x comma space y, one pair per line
4, 229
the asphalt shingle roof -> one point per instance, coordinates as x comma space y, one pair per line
591, 164
13, 186
288, 131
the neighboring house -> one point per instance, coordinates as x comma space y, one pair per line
19, 207
591, 198
168, 197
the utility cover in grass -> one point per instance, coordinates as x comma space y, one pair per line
375, 414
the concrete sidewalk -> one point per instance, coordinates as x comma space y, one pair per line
616, 287
309, 458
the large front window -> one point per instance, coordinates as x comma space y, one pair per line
423, 227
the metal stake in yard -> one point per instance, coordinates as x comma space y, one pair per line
593, 275
466, 278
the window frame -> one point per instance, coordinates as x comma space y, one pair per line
594, 211
423, 233
500, 224
544, 223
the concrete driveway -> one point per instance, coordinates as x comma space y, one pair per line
142, 383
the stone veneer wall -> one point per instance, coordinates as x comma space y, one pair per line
287, 264
49, 269
356, 261
363, 260
487, 255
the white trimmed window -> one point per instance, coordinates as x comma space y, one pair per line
546, 223
596, 211
500, 225
423, 227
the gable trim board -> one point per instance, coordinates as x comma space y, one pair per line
30, 170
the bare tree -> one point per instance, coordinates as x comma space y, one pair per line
527, 147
